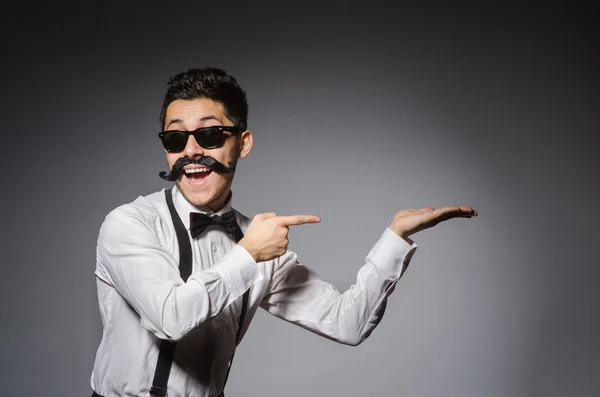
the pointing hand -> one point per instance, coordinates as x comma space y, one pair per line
267, 235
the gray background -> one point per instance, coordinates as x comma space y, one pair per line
357, 111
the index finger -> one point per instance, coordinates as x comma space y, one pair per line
297, 220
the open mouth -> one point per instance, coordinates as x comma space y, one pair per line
197, 175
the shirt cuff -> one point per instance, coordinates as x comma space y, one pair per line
239, 270
392, 253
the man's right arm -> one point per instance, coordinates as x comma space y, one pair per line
132, 260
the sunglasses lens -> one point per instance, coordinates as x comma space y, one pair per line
174, 141
209, 138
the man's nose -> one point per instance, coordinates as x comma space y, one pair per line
192, 148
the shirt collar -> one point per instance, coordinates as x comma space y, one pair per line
184, 207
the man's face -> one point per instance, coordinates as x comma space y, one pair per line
204, 189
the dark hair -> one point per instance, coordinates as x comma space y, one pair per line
211, 83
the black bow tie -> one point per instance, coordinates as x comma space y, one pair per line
199, 222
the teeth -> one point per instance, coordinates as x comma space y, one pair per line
194, 170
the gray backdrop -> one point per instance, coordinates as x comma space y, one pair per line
357, 111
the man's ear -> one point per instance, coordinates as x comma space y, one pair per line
246, 141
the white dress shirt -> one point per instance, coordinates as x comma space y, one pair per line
143, 299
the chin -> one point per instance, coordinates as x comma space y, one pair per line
195, 198
201, 199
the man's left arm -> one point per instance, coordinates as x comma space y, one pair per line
297, 294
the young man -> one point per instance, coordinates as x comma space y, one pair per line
180, 274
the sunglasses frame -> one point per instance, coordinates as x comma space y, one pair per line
197, 133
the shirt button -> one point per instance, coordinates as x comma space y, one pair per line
214, 248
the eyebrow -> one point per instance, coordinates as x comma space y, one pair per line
205, 118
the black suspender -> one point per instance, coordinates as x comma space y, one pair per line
167, 348
237, 339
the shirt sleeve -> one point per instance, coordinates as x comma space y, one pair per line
298, 295
131, 258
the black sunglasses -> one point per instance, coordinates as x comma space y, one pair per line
208, 137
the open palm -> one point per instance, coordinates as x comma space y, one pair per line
410, 221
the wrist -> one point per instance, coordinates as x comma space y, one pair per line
248, 247
403, 235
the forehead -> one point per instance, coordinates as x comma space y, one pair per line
192, 107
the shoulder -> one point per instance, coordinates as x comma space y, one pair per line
129, 228
143, 211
